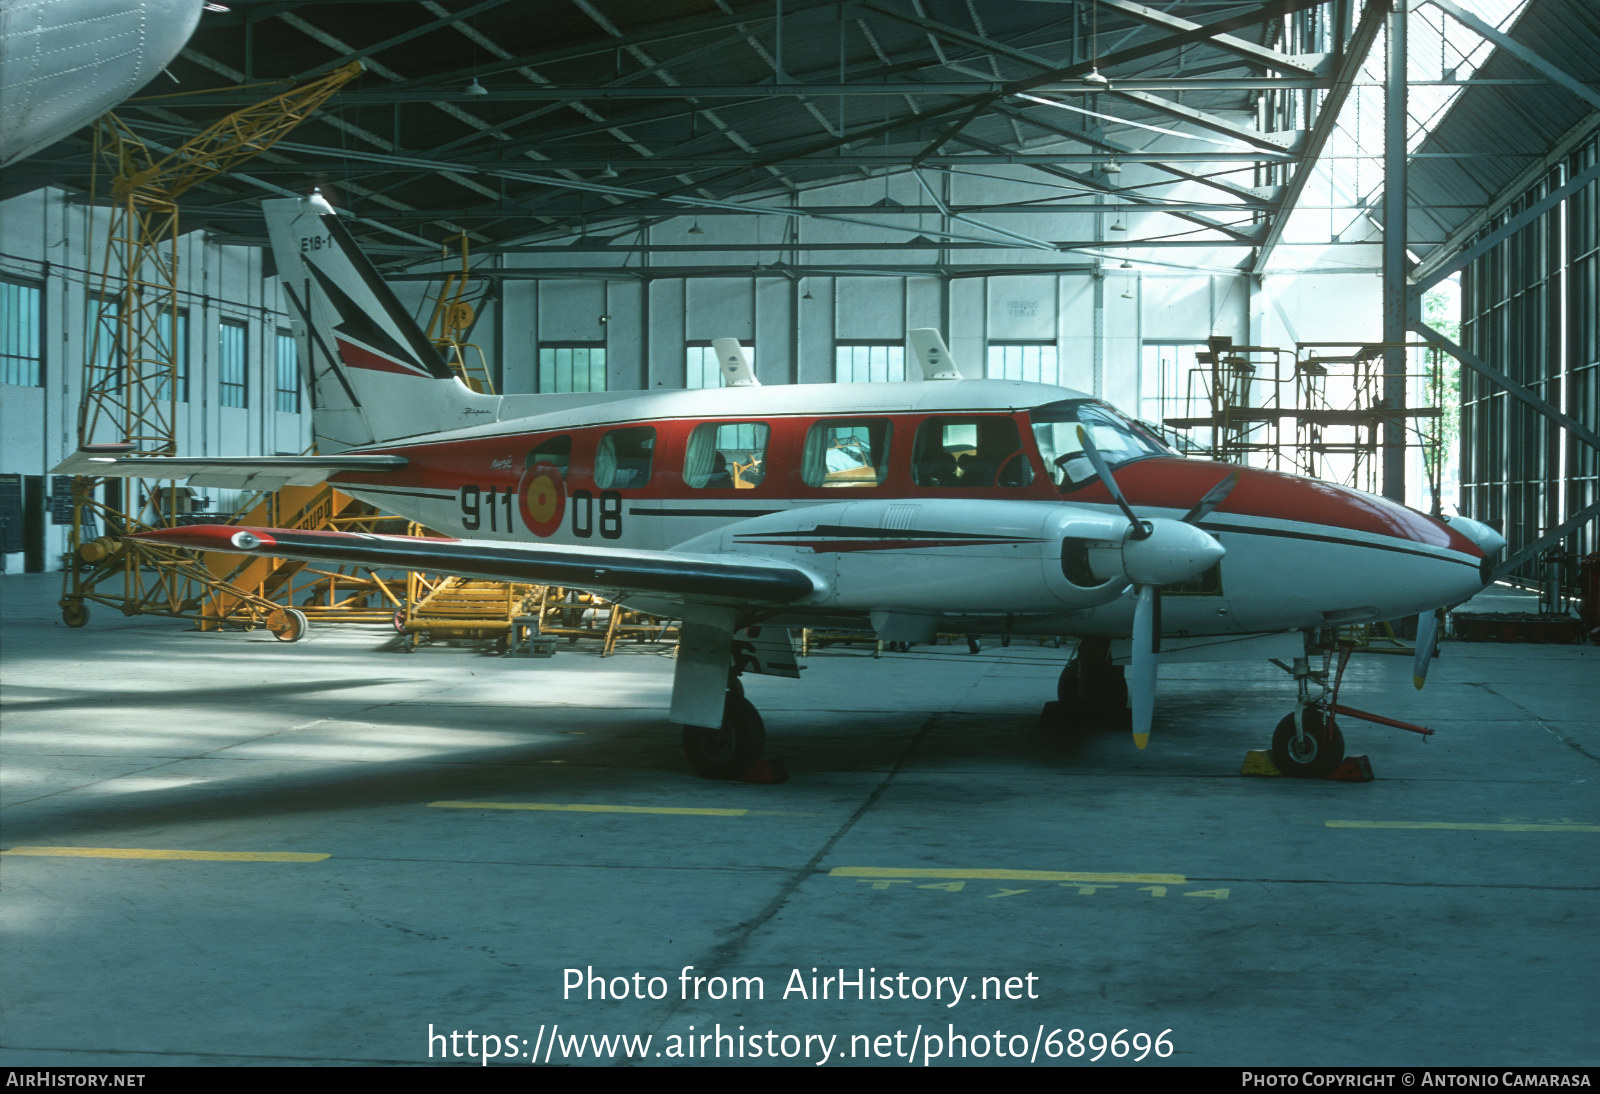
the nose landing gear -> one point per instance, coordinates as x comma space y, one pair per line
1307, 743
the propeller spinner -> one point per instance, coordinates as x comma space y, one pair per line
1157, 552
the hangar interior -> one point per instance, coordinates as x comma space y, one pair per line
1358, 239
860, 169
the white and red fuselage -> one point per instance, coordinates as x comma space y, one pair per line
837, 481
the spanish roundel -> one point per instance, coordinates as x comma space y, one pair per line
542, 498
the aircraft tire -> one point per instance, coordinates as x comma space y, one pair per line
74, 613
726, 752
1316, 756
1092, 686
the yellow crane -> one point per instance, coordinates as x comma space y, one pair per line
131, 384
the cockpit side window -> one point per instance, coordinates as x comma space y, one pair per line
969, 453
1055, 430
553, 452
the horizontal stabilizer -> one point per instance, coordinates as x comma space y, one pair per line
226, 472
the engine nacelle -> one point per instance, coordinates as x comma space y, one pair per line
962, 556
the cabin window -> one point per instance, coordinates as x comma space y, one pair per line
847, 452
969, 453
622, 461
726, 456
553, 452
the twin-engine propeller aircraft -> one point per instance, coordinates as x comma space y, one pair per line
944, 504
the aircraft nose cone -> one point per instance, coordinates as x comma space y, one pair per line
1488, 540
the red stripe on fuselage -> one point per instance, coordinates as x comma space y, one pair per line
1168, 482
1176, 483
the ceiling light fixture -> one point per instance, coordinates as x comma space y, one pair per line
1111, 167
475, 88
1093, 77
695, 229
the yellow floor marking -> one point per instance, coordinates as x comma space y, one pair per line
1451, 826
555, 807
1001, 875
165, 853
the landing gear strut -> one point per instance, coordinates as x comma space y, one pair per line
1307, 743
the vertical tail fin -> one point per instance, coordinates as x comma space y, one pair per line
373, 376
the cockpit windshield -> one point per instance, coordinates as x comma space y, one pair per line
1055, 429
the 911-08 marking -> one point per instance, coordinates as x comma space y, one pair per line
472, 508
582, 502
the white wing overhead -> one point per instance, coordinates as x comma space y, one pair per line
66, 62
614, 572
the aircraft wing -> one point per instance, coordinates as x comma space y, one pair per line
226, 472
612, 572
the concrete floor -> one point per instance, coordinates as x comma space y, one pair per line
1443, 914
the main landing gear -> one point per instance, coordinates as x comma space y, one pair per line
1091, 691
730, 750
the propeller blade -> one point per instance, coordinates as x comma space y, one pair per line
1214, 497
1427, 640
1101, 468
1142, 677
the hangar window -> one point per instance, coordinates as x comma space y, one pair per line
1035, 362
1173, 384
868, 362
175, 339
726, 456
234, 387
21, 334
572, 367
703, 369
622, 462
288, 373
846, 452
969, 453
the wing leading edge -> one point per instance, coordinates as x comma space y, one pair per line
615, 573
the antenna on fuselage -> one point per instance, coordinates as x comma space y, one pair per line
735, 364
932, 356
